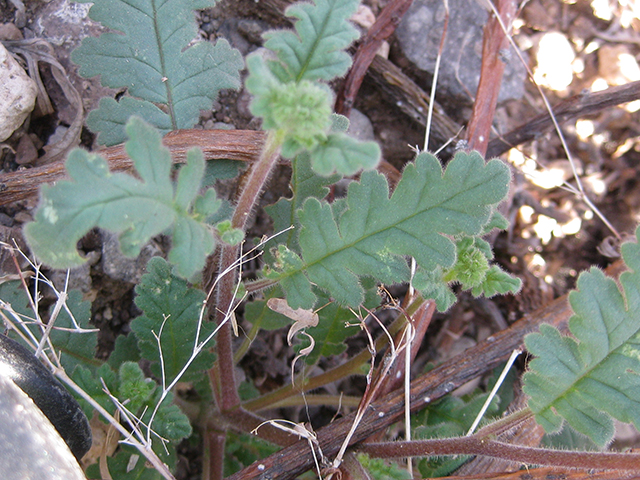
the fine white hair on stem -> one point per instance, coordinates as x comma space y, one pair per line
411, 334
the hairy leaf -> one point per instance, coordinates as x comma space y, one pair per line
289, 93
373, 233
588, 379
137, 209
138, 393
316, 50
125, 350
471, 270
152, 58
299, 112
171, 311
344, 155
304, 184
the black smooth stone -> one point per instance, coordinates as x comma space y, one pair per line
58, 405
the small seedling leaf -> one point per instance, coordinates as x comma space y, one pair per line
344, 155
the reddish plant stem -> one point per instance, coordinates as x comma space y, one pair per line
493, 43
550, 473
382, 29
213, 450
475, 445
292, 461
227, 392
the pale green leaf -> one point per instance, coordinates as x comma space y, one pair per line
170, 422
111, 116
316, 50
138, 209
171, 311
152, 57
588, 379
344, 155
135, 389
374, 233
125, 350
300, 112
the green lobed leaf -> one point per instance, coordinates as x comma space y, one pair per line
316, 50
431, 284
169, 423
135, 389
371, 236
304, 184
497, 282
137, 209
125, 350
588, 379
152, 58
139, 394
344, 155
169, 304
92, 383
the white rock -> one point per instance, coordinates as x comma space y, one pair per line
17, 94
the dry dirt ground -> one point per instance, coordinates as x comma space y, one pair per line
571, 46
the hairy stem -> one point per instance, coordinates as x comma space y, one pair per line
227, 393
475, 445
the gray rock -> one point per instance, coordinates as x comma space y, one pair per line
117, 266
419, 36
360, 126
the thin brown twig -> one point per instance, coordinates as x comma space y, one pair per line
494, 41
581, 105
